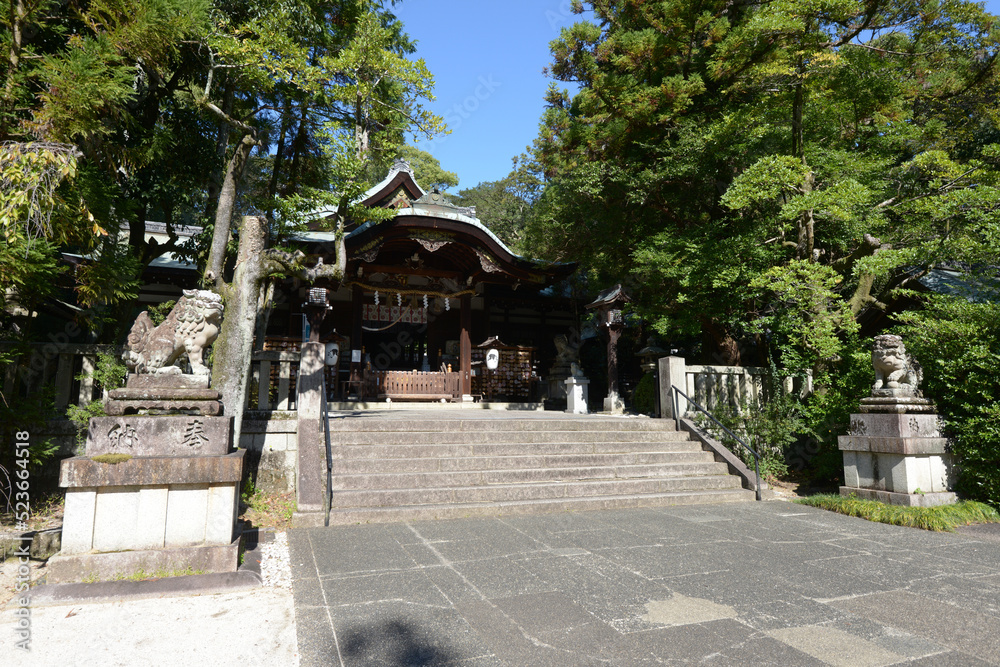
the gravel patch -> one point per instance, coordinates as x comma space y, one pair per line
274, 564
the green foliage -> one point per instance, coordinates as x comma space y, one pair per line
805, 316
160, 311
27, 413
109, 373
769, 428
31, 200
110, 279
942, 518
30, 271
957, 341
644, 395
267, 510
81, 416
766, 168
827, 414
506, 206
427, 169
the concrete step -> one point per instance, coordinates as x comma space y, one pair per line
582, 423
529, 491
354, 515
459, 437
508, 449
522, 461
424, 480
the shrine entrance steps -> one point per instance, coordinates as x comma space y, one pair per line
411, 465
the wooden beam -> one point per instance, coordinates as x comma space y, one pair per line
465, 350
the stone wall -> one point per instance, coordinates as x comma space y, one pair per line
271, 439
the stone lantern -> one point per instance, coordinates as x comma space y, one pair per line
608, 305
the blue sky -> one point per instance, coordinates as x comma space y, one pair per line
487, 59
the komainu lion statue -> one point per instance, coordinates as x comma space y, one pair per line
894, 368
191, 326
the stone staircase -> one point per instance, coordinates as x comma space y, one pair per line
430, 468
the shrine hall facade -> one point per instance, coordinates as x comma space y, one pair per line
427, 294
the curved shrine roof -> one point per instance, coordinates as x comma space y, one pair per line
430, 236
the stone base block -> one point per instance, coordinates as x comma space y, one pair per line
166, 381
160, 435
905, 499
150, 517
81, 471
159, 407
151, 563
898, 473
614, 404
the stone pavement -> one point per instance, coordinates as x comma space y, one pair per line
769, 583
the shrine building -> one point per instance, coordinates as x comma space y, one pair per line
426, 296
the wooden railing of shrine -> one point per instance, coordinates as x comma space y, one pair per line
272, 380
414, 385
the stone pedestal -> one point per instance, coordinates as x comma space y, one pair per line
558, 374
576, 389
895, 453
157, 490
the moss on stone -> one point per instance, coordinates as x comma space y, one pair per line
113, 459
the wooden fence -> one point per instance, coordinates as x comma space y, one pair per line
413, 385
41, 366
272, 380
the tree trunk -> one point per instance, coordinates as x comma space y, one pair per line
807, 237
720, 344
224, 213
18, 14
263, 314
279, 156
233, 349
298, 148
221, 146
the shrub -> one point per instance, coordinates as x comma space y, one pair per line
109, 373
957, 341
644, 395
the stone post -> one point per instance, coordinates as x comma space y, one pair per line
309, 467
577, 395
672, 373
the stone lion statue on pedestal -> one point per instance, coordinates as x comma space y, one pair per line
896, 371
191, 326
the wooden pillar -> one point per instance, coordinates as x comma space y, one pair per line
613, 334
465, 351
356, 296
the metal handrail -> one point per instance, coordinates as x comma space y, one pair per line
676, 393
328, 498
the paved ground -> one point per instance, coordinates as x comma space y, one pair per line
758, 583
247, 628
